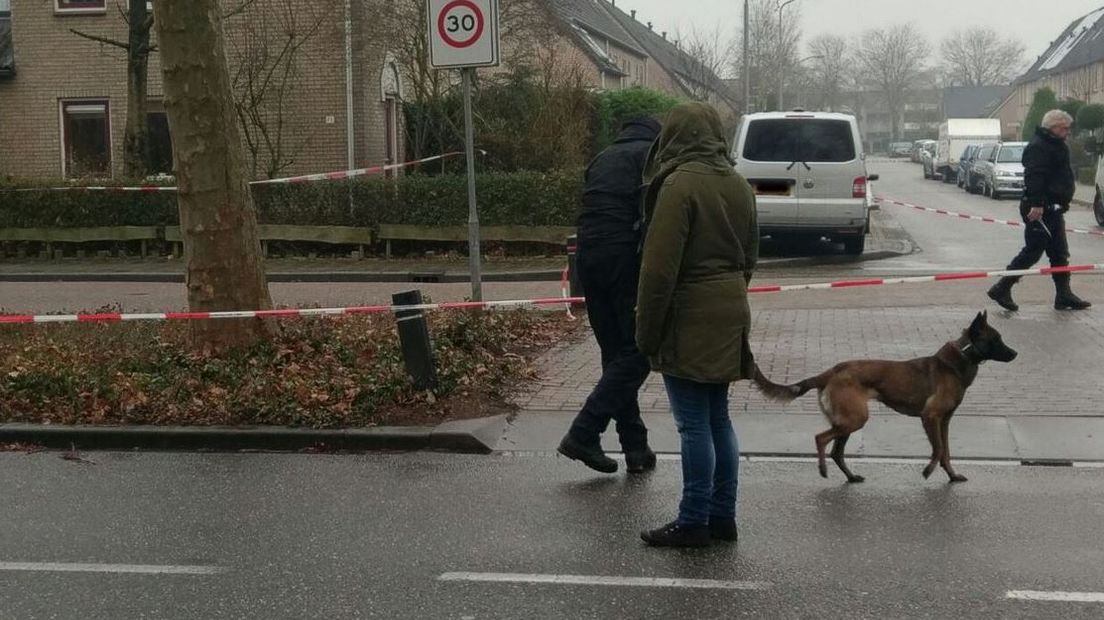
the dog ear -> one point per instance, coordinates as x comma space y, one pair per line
979, 322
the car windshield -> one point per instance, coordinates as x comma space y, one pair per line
807, 140
1010, 155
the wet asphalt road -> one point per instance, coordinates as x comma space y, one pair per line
301, 536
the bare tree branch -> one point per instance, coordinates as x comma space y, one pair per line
105, 41
981, 57
238, 10
892, 59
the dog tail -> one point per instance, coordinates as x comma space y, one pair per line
781, 393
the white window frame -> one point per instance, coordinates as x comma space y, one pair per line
59, 10
62, 138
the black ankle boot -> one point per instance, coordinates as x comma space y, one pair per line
592, 457
724, 529
675, 535
640, 461
1064, 299
1002, 293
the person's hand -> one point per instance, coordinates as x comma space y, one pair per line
1035, 214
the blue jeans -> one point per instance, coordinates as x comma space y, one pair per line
710, 452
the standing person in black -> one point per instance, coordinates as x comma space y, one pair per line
1049, 186
610, 233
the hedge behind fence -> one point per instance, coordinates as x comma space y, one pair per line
518, 198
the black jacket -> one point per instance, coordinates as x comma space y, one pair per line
611, 212
1048, 174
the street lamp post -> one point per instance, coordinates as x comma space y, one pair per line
781, 65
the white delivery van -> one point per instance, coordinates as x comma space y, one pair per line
958, 133
808, 171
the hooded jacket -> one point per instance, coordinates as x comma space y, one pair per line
614, 180
701, 248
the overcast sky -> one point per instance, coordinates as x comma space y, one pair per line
1035, 22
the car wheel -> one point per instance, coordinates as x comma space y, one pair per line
984, 189
854, 246
995, 195
1098, 208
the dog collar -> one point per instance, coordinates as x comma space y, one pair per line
966, 354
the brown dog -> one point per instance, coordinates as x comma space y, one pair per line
930, 388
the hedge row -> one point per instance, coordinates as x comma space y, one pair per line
519, 198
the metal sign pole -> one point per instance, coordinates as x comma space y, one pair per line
474, 257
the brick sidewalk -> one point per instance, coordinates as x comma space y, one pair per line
1055, 375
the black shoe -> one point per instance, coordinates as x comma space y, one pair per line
593, 458
1002, 294
724, 529
640, 461
675, 535
1069, 301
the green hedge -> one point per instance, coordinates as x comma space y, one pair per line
519, 198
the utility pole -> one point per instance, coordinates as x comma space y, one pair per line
747, 59
781, 61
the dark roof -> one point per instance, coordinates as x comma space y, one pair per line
585, 18
973, 101
7, 56
1081, 44
668, 55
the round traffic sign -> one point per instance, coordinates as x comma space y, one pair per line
460, 23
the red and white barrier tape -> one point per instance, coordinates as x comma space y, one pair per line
978, 218
308, 312
327, 176
564, 286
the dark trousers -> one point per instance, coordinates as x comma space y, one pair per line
1037, 241
609, 276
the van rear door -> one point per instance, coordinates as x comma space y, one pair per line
832, 173
765, 153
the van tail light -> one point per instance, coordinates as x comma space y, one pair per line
858, 187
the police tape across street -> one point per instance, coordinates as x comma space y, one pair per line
283, 313
978, 218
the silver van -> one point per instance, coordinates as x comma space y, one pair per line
808, 171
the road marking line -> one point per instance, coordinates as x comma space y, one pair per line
596, 580
137, 569
1056, 597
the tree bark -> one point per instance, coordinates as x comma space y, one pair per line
221, 248
136, 137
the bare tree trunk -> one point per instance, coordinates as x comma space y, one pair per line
221, 248
136, 140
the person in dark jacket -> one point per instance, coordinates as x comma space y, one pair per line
608, 260
1049, 186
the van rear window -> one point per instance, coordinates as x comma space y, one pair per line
807, 140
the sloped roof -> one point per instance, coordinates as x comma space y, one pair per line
1081, 44
585, 18
668, 55
973, 101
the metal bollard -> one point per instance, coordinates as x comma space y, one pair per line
575, 287
417, 346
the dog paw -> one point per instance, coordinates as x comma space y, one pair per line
958, 478
856, 480
928, 471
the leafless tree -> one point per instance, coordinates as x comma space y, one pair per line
892, 61
772, 50
702, 59
139, 22
981, 57
830, 72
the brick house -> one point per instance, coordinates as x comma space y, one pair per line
63, 98
1073, 67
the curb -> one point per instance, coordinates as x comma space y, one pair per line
462, 437
321, 277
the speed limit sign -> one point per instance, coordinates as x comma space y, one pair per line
463, 33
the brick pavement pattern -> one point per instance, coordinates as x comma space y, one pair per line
1055, 374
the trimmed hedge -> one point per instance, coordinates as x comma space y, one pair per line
519, 198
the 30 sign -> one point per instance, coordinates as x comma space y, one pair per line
463, 33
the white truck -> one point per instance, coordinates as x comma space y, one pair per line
958, 133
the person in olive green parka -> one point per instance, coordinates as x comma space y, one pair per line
692, 312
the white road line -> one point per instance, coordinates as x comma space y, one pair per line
595, 580
135, 569
1056, 597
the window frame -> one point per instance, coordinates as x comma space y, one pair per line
64, 137
87, 10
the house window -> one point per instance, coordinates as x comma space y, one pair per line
7, 53
80, 6
391, 131
86, 138
160, 157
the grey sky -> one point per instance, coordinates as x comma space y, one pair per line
1035, 22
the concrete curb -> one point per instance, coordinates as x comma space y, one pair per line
323, 277
466, 437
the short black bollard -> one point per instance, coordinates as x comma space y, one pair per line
417, 346
575, 287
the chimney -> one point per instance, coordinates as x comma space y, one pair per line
649, 25
633, 13
664, 35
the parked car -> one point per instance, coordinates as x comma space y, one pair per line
1002, 172
900, 149
809, 174
927, 159
918, 150
966, 162
980, 167
955, 134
